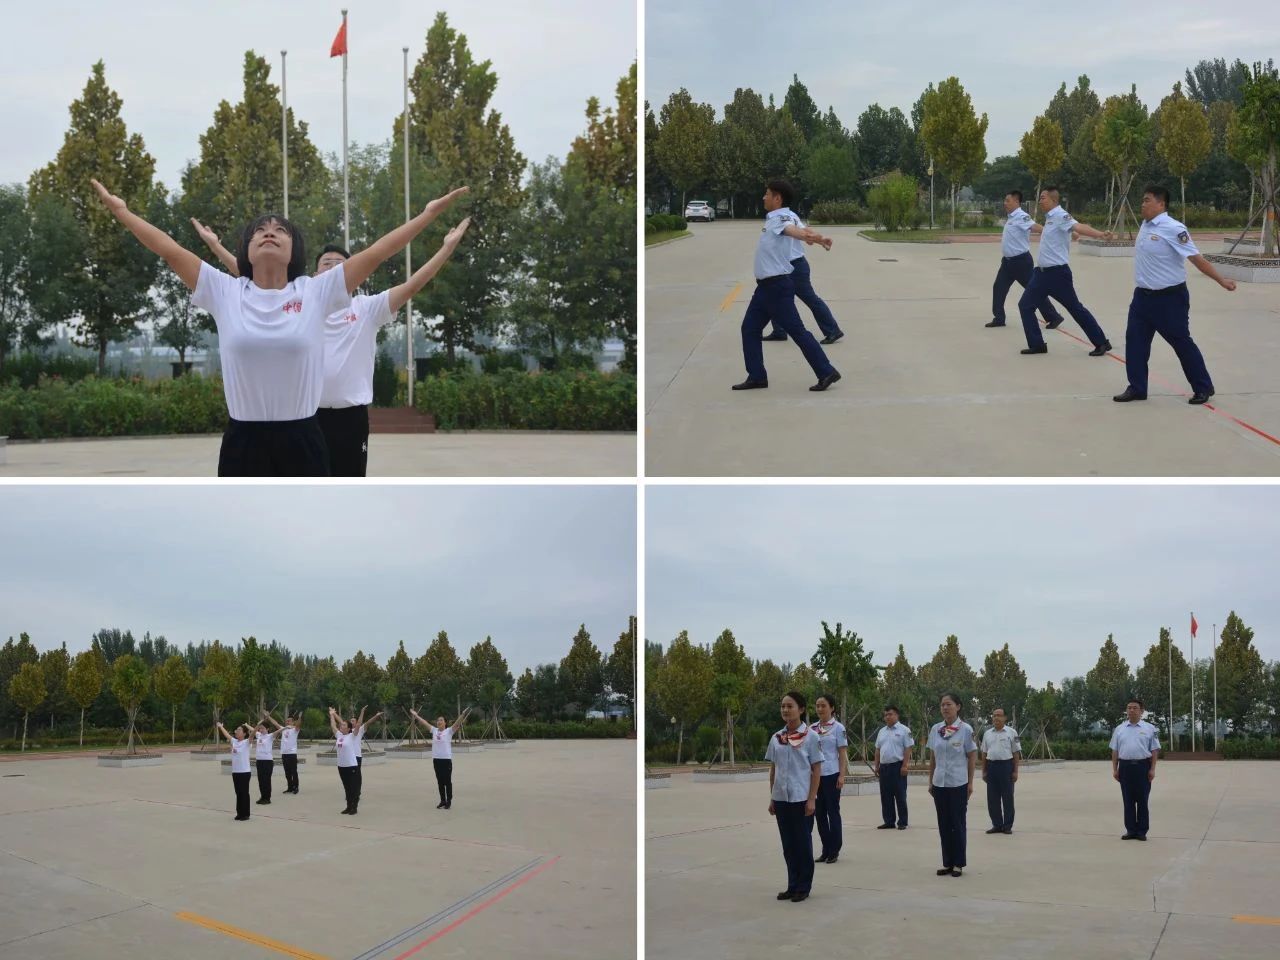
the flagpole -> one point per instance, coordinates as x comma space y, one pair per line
346, 179
408, 272
1193, 686
284, 125
1216, 747
1173, 743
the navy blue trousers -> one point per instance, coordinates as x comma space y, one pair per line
1016, 269
1134, 790
796, 831
775, 297
1168, 313
1055, 282
952, 805
893, 793
827, 809
809, 297
1000, 793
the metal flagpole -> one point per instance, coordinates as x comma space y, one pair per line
1173, 744
408, 270
346, 179
284, 125
1216, 748
1193, 686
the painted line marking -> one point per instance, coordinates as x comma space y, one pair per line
1269, 921
733, 295
230, 931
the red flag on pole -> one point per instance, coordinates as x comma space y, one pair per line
1193, 625
339, 42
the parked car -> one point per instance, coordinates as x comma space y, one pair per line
699, 210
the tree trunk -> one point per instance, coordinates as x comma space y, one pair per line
24, 732
680, 747
1183, 181
732, 755
102, 357
173, 727
82, 727
132, 713
1036, 206
182, 359
1269, 219
953, 206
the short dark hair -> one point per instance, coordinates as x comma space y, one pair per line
831, 701
1159, 192
298, 260
1015, 193
798, 697
893, 707
1050, 188
950, 696
1135, 700
784, 189
994, 709
331, 248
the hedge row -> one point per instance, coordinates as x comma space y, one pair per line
834, 211
509, 400
664, 221
110, 408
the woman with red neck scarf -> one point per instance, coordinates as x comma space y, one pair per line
793, 791
951, 761
835, 763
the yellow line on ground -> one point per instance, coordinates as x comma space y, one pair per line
239, 934
733, 295
1269, 921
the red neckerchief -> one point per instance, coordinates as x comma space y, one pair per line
793, 738
945, 732
825, 728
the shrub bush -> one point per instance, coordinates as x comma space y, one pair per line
513, 400
108, 408
500, 360
839, 211
1251, 749
667, 222
893, 201
384, 380
27, 369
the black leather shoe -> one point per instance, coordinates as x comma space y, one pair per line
347, 811
902, 826
1199, 397
1043, 348
261, 802
833, 858
995, 323
1128, 396
826, 381
833, 338
771, 337
944, 872
996, 830
440, 805
821, 859
1007, 830
797, 897
957, 871
1142, 837
1101, 351
785, 895
1129, 836
1053, 324
750, 384
885, 826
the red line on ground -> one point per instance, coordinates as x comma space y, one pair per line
1182, 393
484, 906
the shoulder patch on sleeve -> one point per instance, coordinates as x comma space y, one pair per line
1184, 237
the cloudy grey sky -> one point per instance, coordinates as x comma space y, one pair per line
172, 61
1050, 570
1010, 57
324, 570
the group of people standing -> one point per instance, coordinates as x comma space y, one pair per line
348, 736
809, 765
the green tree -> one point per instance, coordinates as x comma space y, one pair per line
173, 683
180, 325
28, 691
1241, 675
1109, 685
846, 666
1002, 175
620, 672
1042, 711
683, 147
104, 296
684, 685
1151, 683
737, 153
361, 676
1002, 683
1255, 141
399, 671
12, 657
1042, 149
84, 683
1122, 140
260, 673
804, 112
486, 666
580, 672
539, 694
1085, 176
1211, 81
55, 664
879, 136
439, 674
730, 684
130, 683
832, 173
1185, 138
954, 135
902, 687
784, 149
217, 680
891, 202
15, 237
1072, 111
948, 672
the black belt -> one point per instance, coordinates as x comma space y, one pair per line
779, 277
1162, 292
1144, 760
1018, 256
1059, 266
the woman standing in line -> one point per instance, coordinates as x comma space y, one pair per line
793, 791
952, 752
835, 766
442, 754
264, 759
239, 767
346, 747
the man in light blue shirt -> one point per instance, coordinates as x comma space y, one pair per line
893, 759
1015, 261
951, 763
1135, 748
1052, 278
774, 296
1161, 302
805, 293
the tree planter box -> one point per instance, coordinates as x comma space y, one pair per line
137, 760
657, 781
226, 767
1188, 755
1246, 269
498, 743
1106, 248
208, 754
416, 751
1246, 246
731, 775
471, 746
329, 758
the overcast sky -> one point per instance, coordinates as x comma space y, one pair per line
1049, 570
324, 570
1010, 57
172, 61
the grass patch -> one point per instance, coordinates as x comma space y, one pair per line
939, 235
651, 238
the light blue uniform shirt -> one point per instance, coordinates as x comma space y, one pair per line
951, 747
793, 762
1055, 242
831, 737
797, 246
1016, 238
1000, 744
1134, 741
892, 742
1163, 246
773, 252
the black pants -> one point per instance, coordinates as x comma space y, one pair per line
775, 298
805, 293
359, 778
1016, 269
264, 778
1135, 788
444, 779
346, 433
290, 761
1000, 793
349, 787
796, 831
282, 448
827, 810
241, 781
893, 793
1168, 313
952, 804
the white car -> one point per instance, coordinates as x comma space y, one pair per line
699, 210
